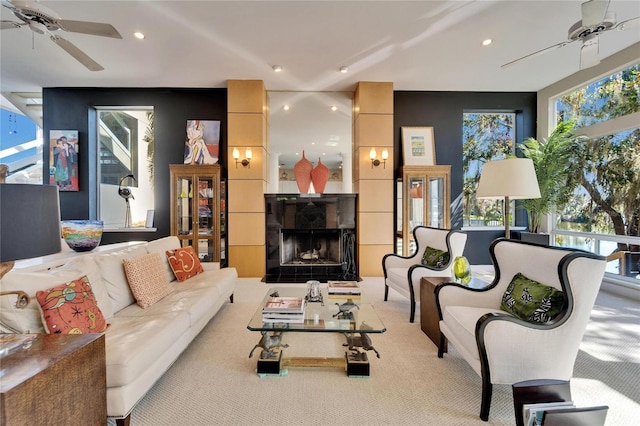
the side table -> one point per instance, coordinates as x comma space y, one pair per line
53, 378
429, 321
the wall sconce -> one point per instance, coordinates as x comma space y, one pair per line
374, 161
247, 160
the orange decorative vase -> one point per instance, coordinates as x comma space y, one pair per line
302, 170
319, 177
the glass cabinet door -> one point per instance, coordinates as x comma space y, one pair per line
424, 202
184, 217
206, 195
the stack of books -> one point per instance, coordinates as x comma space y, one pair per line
343, 289
284, 309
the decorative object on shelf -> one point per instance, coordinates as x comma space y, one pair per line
82, 235
125, 192
416, 190
418, 146
63, 159
461, 270
511, 178
302, 169
29, 222
319, 177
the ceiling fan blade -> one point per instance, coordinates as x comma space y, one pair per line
539, 52
7, 25
593, 12
629, 23
78, 54
589, 55
91, 28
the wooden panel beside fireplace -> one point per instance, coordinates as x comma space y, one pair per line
310, 237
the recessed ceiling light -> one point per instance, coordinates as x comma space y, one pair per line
344, 69
487, 42
277, 68
334, 108
286, 107
138, 35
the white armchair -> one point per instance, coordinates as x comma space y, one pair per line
504, 349
403, 273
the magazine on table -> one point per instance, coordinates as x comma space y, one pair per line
343, 287
284, 304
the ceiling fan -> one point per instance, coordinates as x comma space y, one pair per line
43, 20
596, 19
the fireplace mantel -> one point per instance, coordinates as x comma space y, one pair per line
310, 237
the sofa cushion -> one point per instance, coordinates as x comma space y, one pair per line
532, 301
435, 258
184, 263
28, 320
114, 278
147, 279
160, 246
71, 308
132, 343
86, 265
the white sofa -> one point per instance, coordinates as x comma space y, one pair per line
141, 344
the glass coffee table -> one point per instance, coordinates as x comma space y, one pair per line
355, 318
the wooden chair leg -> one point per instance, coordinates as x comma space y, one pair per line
413, 311
441, 345
231, 298
124, 422
386, 292
485, 405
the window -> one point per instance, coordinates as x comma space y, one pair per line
21, 148
486, 136
603, 215
125, 153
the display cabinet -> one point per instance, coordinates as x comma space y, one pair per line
423, 200
198, 215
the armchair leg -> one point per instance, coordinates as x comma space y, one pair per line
442, 345
485, 405
413, 311
386, 292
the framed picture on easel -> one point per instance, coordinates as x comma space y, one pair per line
418, 146
63, 159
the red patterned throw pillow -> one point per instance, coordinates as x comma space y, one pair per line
184, 263
71, 308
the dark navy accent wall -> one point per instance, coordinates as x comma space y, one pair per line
73, 109
443, 111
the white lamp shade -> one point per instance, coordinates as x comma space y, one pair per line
513, 177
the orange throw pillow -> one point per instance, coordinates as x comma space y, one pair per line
71, 308
184, 263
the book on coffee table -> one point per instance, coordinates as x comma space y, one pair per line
284, 305
343, 288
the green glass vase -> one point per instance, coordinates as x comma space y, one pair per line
461, 270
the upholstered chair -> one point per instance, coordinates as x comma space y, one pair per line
521, 327
435, 251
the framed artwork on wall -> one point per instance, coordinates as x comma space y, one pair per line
202, 143
63, 159
418, 146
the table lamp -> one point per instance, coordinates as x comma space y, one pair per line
29, 225
511, 178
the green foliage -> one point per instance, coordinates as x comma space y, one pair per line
552, 161
150, 140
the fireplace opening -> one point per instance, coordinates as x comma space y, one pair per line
310, 247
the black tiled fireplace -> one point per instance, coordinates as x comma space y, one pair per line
310, 237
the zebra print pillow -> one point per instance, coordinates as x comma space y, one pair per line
531, 301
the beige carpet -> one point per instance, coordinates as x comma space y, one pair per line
214, 381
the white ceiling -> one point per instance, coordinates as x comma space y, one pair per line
417, 45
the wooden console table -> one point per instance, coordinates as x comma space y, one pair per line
53, 379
